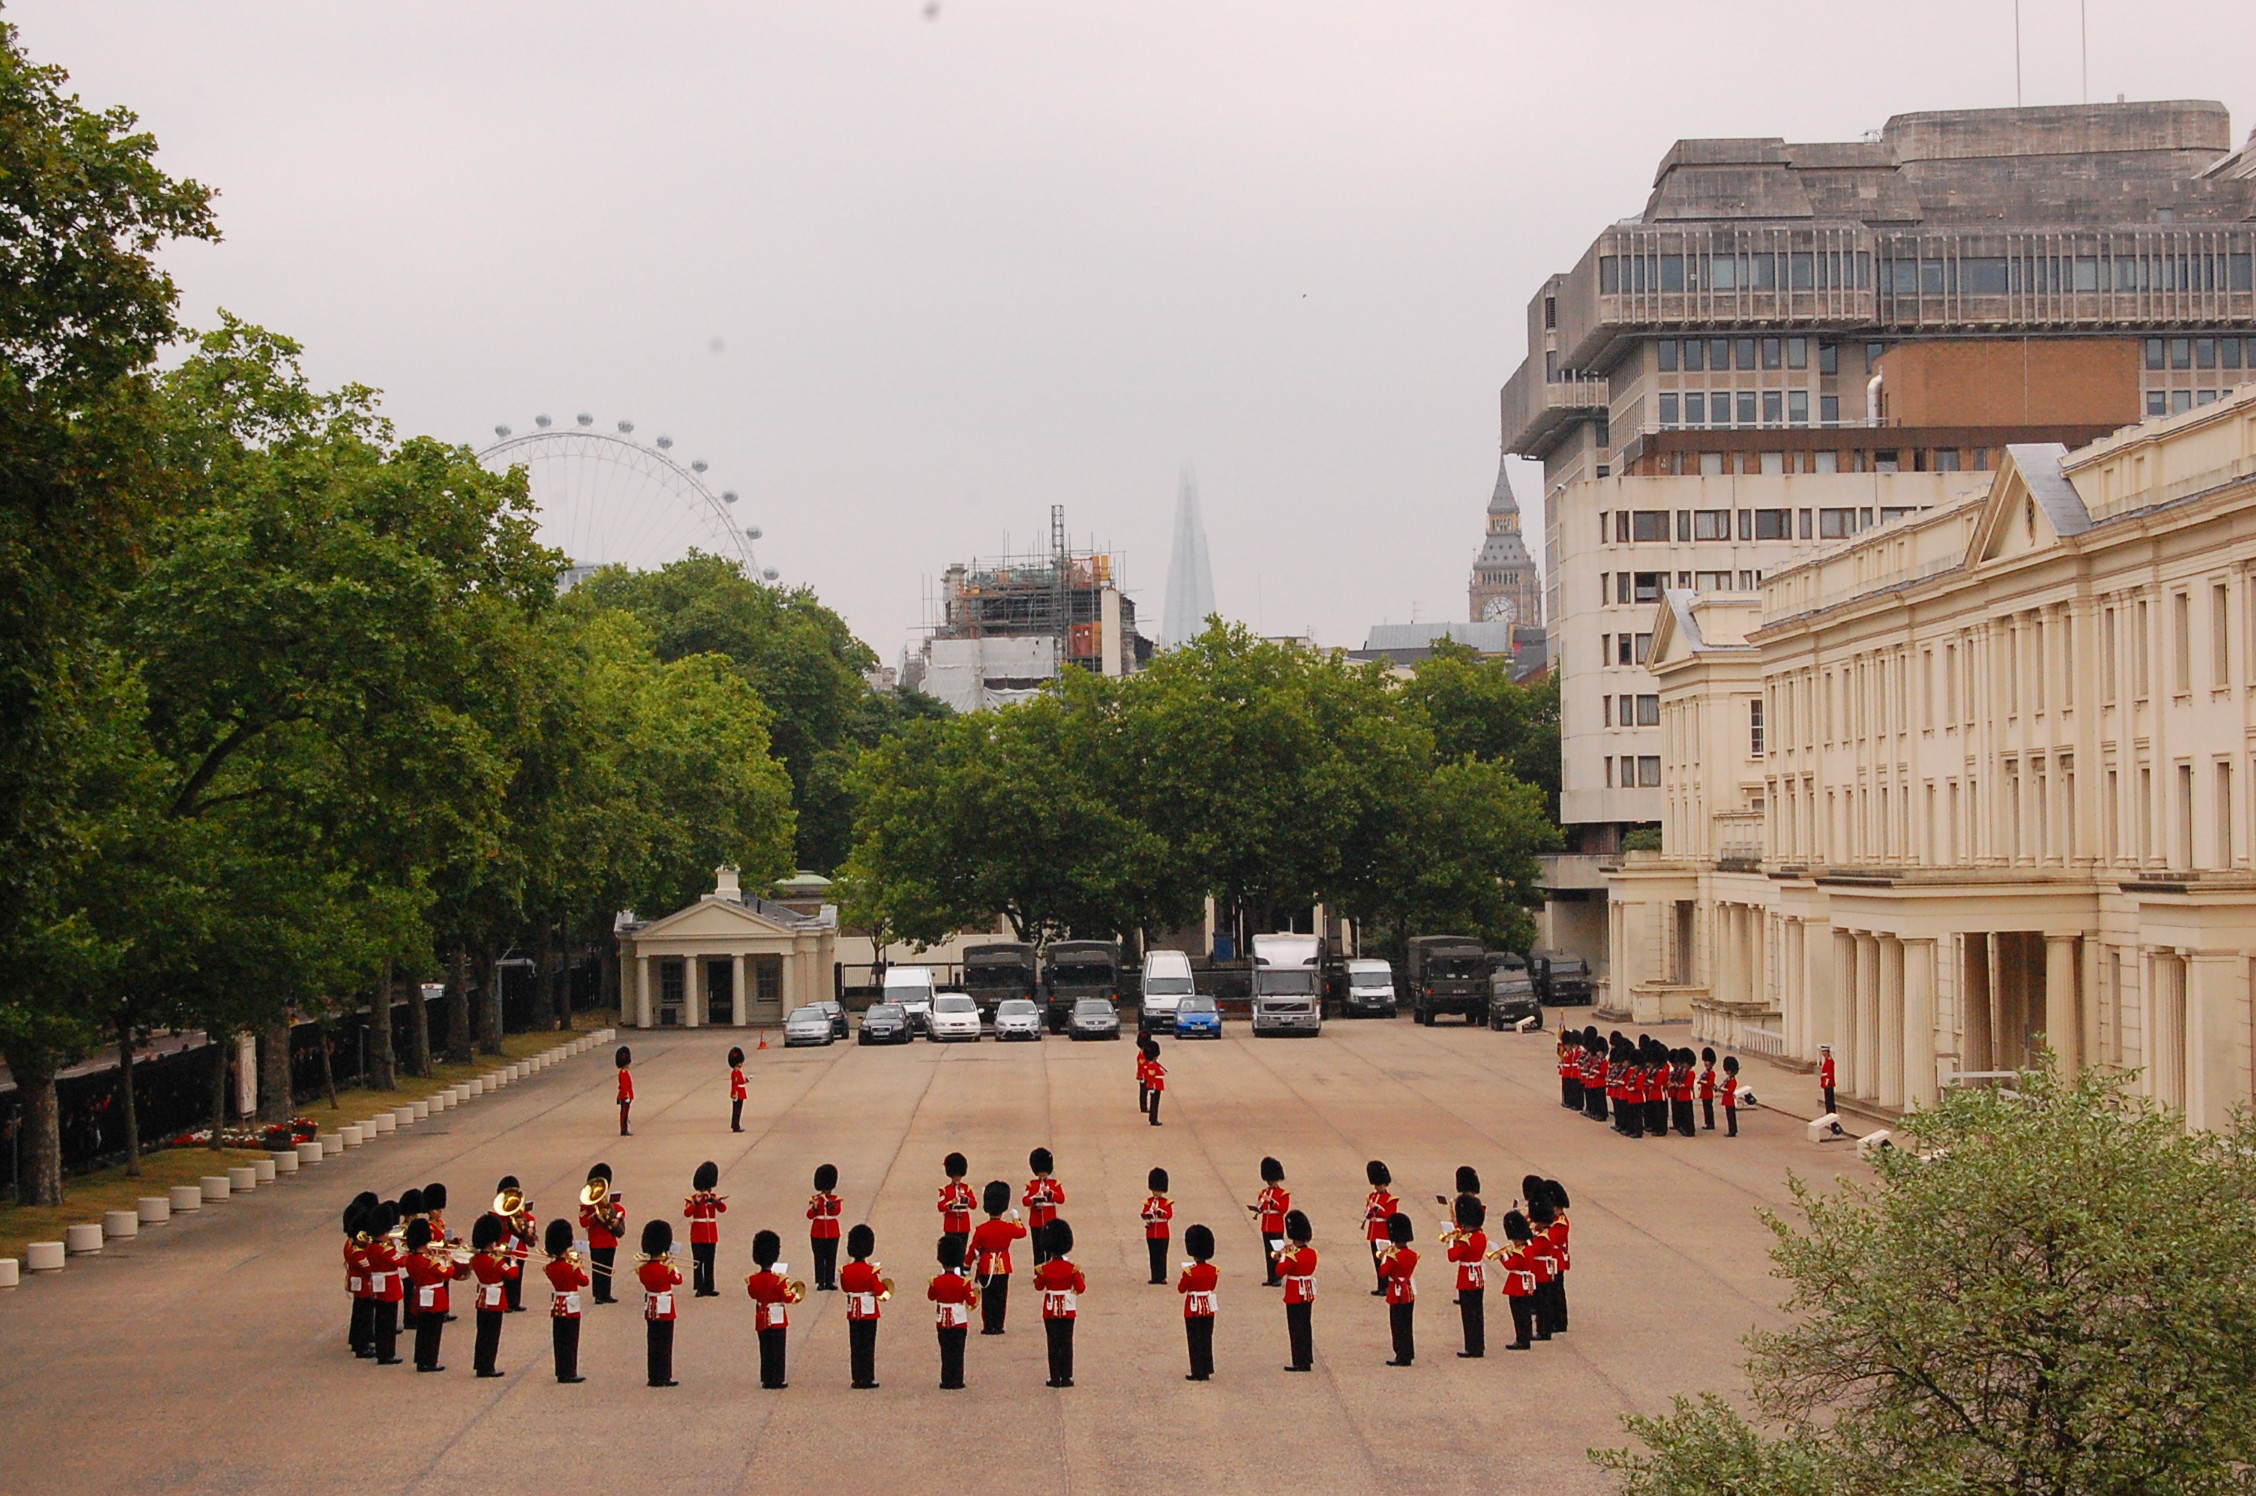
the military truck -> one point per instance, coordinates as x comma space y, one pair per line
1078, 969
1560, 980
1448, 974
1003, 969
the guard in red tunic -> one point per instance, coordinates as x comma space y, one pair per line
1731, 1094
1042, 1197
659, 1278
489, 1264
622, 1059
1825, 1075
823, 1210
953, 1296
1468, 1248
429, 1266
1155, 1079
1297, 1265
1570, 1069
865, 1291
703, 1208
360, 1326
1707, 1088
1594, 1081
603, 1217
772, 1297
991, 1255
520, 1230
1143, 1075
1268, 1209
1399, 1265
1681, 1084
737, 1091
386, 1280
1516, 1261
1379, 1207
956, 1203
1158, 1212
1061, 1285
567, 1278
1198, 1285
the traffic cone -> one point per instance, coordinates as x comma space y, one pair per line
763, 1039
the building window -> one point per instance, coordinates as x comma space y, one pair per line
1828, 358
1773, 524
1711, 581
1836, 524
2139, 664
1609, 771
1695, 409
2181, 401
1647, 586
1644, 647
1773, 407
1755, 728
2220, 636
2185, 816
1719, 353
1695, 355
1621, 650
1829, 410
1746, 407
2157, 403
1665, 355
1668, 403
1649, 525
1648, 771
1745, 348
1711, 524
1797, 353
1648, 711
2181, 353
2181, 636
2224, 848
1773, 352
1749, 580
1605, 588
1606, 711
2154, 353
1797, 407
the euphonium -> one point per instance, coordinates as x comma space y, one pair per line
884, 1288
508, 1202
595, 1192
794, 1291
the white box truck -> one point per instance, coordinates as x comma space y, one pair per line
1287, 984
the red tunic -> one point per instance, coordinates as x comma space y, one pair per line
1543, 1256
1825, 1073
430, 1276
1377, 1207
1196, 1284
491, 1269
626, 1086
1557, 1231
770, 1301
1158, 1211
1042, 1198
1518, 1271
861, 1284
1468, 1254
599, 1234
704, 1211
991, 1245
1062, 1285
951, 1301
1156, 1076
955, 1205
1401, 1287
1297, 1266
1707, 1082
1680, 1084
824, 1211
1731, 1093
565, 1280
356, 1269
384, 1271
1272, 1203
736, 1084
659, 1280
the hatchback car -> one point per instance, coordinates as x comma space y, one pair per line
887, 1023
1094, 1018
807, 1025
1196, 1017
954, 1018
1018, 1018
835, 1011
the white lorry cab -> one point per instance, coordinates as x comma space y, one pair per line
1287, 984
1167, 981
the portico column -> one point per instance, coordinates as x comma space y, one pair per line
1866, 1069
642, 992
693, 991
1841, 1009
1919, 1023
1888, 1034
791, 995
1792, 985
2216, 1037
736, 987
2063, 1021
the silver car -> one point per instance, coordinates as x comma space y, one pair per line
808, 1024
954, 1017
1018, 1018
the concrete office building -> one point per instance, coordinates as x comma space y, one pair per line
1792, 343
1975, 780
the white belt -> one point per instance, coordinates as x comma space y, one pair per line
1305, 1286
864, 1305
952, 1315
1477, 1275
1199, 1302
565, 1302
1061, 1300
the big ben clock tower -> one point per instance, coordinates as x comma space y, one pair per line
1504, 587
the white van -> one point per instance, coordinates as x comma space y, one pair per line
913, 988
1287, 995
1370, 989
1167, 981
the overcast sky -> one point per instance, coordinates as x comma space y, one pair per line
907, 274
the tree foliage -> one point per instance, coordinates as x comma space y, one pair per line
2048, 1290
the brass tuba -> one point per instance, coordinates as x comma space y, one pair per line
509, 1202
595, 1192
794, 1291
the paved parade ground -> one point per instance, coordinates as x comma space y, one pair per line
209, 1356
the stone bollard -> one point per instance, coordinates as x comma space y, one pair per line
215, 1187
349, 1135
43, 1256
332, 1143
439, 1102
422, 1110
9, 1273
242, 1178
1821, 1129
1873, 1144
517, 1072
262, 1169
154, 1210
403, 1116
284, 1163
478, 1087
83, 1240
120, 1224
186, 1197
310, 1152
382, 1122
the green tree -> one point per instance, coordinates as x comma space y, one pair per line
1476, 710
2048, 1290
1460, 857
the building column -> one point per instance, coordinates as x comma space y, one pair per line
789, 982
643, 1003
1841, 1010
1864, 1074
1919, 1023
693, 991
1793, 986
743, 1000
1888, 1033
2063, 1019
1974, 1003
2216, 1038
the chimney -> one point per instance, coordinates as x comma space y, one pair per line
725, 885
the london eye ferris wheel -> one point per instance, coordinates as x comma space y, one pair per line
605, 498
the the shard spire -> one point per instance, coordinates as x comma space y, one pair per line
1190, 580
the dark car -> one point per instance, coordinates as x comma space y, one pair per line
1511, 997
1094, 1018
887, 1023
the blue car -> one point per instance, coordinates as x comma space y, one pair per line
1196, 1017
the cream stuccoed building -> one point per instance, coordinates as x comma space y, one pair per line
1974, 781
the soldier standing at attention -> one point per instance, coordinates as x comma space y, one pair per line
1379, 1207
489, 1264
704, 1208
956, 1203
1143, 1075
1468, 1248
1825, 1075
524, 1234
1570, 1069
1042, 1198
1594, 1075
1158, 1212
771, 1312
864, 1289
1197, 1286
565, 1280
1707, 1089
737, 1090
604, 1219
952, 1296
1062, 1285
1268, 1208
1557, 1231
1398, 1263
823, 1210
622, 1059
1155, 1080
991, 1246
659, 1278
1297, 1264
1731, 1093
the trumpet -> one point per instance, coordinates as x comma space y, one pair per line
1452, 1234
667, 1257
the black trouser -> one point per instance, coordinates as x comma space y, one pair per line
1157, 1247
958, 1244
701, 1255
623, 1109
1401, 1319
660, 1343
826, 1260
1559, 1304
1570, 1093
1472, 1308
1707, 1112
1270, 1247
1143, 1097
564, 1334
1594, 1102
1154, 1107
361, 1328
488, 1344
736, 1115
1629, 1119
771, 1357
1539, 1310
1731, 1118
994, 1299
1683, 1110
602, 1258
951, 1354
1523, 1320
383, 1328
1656, 1117
1378, 1267
428, 1328
513, 1289
1198, 1329
1829, 1106
861, 1351
1300, 1334
1059, 1332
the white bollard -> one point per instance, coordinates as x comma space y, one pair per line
43, 1256
154, 1210
382, 1122
120, 1224
1822, 1128
440, 1101
478, 1087
9, 1272
284, 1163
1872, 1144
349, 1135
422, 1110
517, 1072
242, 1178
83, 1240
311, 1152
262, 1169
403, 1116
215, 1187
187, 1197
332, 1143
